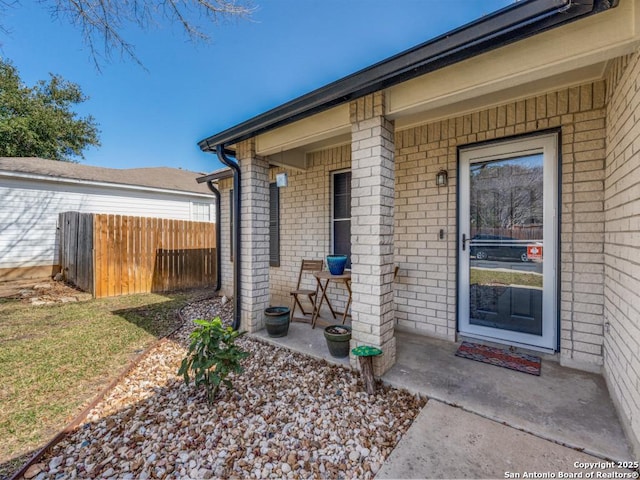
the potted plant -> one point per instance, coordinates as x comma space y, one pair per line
276, 319
336, 264
338, 338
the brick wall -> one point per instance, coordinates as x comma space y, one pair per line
305, 216
622, 242
254, 239
224, 243
426, 285
426, 289
372, 223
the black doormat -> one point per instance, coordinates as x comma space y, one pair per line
499, 357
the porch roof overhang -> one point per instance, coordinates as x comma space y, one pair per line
506, 26
216, 175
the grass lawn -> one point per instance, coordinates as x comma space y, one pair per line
493, 277
54, 359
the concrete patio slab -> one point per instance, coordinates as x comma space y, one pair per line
447, 442
566, 406
303, 339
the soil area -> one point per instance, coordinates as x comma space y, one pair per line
41, 291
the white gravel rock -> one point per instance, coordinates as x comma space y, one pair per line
55, 462
289, 416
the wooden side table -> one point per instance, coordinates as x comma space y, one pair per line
324, 278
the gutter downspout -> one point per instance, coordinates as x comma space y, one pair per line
221, 152
216, 194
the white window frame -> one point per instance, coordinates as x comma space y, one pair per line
548, 146
193, 212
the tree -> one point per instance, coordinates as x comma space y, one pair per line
101, 22
38, 121
507, 194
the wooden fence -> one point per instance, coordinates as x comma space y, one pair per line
76, 249
527, 232
112, 255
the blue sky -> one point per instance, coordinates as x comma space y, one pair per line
155, 117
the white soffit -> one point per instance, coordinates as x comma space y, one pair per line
314, 129
295, 159
559, 55
480, 99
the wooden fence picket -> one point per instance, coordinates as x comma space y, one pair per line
112, 255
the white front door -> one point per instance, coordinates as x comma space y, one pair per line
508, 242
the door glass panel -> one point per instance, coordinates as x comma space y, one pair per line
506, 244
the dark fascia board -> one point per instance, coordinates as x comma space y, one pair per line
217, 175
508, 25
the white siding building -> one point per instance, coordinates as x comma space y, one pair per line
34, 191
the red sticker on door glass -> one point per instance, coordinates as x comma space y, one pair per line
534, 252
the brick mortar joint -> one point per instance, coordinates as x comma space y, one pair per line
367, 107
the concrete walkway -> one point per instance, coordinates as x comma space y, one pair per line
482, 421
447, 442
567, 406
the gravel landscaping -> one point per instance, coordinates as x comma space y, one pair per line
289, 416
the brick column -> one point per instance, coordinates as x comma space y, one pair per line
254, 244
372, 208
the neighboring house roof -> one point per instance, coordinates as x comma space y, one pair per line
164, 178
508, 25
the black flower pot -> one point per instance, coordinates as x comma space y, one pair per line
276, 319
338, 338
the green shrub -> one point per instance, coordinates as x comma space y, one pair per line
212, 356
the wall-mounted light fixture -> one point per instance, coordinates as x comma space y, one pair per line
282, 180
441, 178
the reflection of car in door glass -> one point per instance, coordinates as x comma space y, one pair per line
498, 247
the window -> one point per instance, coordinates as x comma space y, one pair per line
341, 215
274, 225
200, 212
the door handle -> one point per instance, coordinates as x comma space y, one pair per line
464, 241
